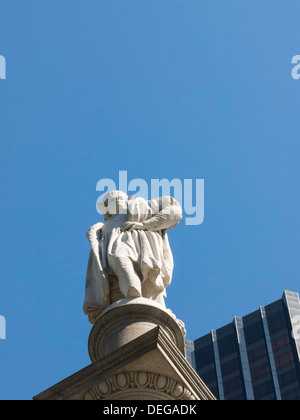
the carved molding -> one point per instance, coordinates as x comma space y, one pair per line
138, 381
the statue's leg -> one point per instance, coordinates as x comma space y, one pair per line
114, 289
129, 281
154, 290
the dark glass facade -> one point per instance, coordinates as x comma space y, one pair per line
256, 357
204, 359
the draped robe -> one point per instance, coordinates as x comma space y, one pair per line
148, 250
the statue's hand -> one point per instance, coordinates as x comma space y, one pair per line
130, 226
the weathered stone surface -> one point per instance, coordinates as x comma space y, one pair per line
136, 344
130, 254
151, 367
128, 319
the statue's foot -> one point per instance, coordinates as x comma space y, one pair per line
133, 293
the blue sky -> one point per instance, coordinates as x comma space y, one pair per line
170, 89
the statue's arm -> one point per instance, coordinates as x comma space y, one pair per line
94, 235
166, 214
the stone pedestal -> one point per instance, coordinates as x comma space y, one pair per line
128, 319
136, 348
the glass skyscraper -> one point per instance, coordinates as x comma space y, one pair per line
256, 357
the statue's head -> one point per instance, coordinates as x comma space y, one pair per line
114, 202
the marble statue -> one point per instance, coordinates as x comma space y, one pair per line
130, 255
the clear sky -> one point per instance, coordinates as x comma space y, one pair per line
188, 89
